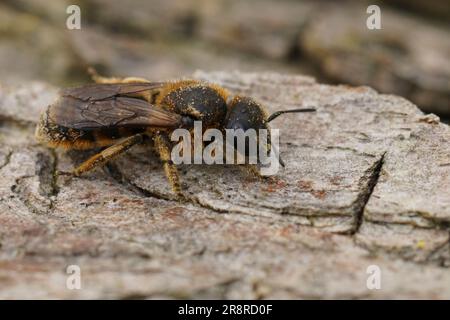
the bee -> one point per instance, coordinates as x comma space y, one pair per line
118, 113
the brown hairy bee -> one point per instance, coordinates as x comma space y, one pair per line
118, 113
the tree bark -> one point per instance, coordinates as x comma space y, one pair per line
367, 182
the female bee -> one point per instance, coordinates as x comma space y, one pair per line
118, 113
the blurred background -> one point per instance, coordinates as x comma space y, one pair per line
166, 39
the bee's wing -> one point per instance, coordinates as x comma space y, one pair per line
116, 111
94, 92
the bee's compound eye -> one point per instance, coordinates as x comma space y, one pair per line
187, 122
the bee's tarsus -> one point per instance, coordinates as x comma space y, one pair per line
64, 173
92, 72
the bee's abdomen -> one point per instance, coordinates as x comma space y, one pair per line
55, 135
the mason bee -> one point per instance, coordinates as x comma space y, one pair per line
118, 113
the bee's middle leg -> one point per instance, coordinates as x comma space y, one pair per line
108, 154
162, 146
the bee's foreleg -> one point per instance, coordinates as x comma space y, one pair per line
251, 169
109, 153
162, 146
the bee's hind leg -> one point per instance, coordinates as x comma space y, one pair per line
162, 146
148, 96
111, 80
109, 153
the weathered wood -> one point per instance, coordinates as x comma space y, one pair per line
367, 182
392, 59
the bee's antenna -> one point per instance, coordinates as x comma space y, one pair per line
278, 113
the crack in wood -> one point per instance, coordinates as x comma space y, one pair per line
7, 160
364, 196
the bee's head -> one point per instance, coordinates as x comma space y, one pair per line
245, 113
